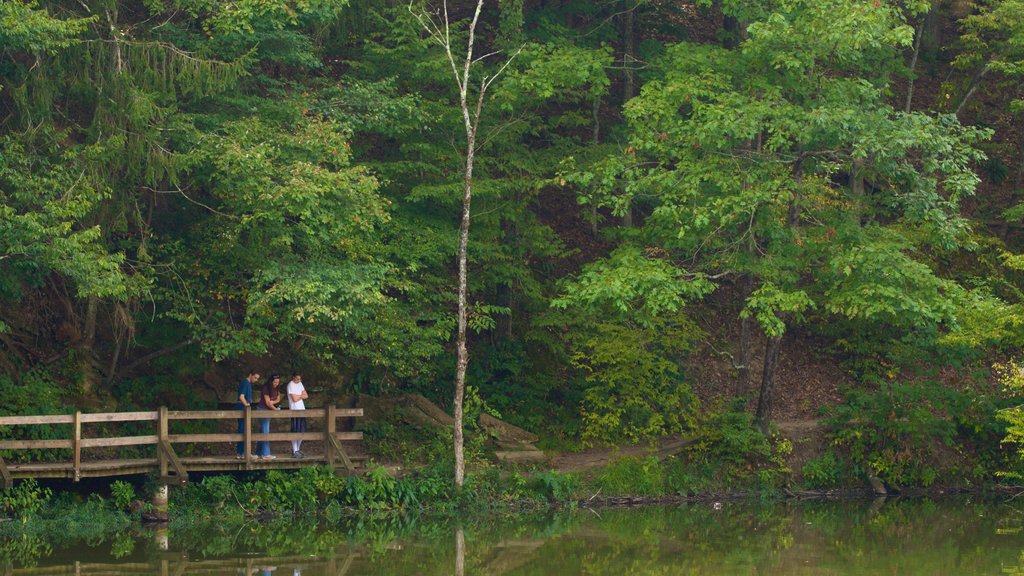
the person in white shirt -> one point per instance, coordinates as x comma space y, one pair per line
296, 394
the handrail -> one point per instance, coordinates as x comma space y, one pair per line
163, 439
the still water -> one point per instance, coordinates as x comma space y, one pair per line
906, 537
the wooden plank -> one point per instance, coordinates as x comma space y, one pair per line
230, 414
230, 461
120, 416
202, 438
18, 420
119, 471
19, 467
161, 431
273, 437
336, 447
172, 459
248, 438
173, 415
520, 456
34, 444
115, 464
330, 427
204, 414
76, 444
119, 441
5, 475
280, 414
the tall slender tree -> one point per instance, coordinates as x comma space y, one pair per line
439, 29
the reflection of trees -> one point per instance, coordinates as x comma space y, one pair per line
24, 551
906, 537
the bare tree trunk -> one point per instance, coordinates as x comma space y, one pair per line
913, 67
628, 62
746, 355
460, 552
975, 82
595, 139
463, 353
87, 359
764, 401
440, 32
629, 50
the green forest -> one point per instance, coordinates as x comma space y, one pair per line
689, 217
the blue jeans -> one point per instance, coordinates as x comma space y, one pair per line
263, 446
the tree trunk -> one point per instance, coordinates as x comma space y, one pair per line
87, 355
856, 190
463, 353
471, 118
731, 36
931, 35
913, 67
471, 124
595, 139
460, 552
763, 416
628, 62
793, 215
746, 352
629, 49
975, 82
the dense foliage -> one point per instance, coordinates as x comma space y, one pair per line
189, 187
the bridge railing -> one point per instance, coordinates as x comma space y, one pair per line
166, 461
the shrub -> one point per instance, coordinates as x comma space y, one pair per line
633, 476
729, 449
121, 494
907, 434
379, 490
25, 499
555, 486
825, 471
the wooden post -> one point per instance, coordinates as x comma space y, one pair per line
248, 438
161, 434
166, 454
5, 475
330, 425
76, 444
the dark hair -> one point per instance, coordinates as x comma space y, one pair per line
273, 377
296, 373
253, 371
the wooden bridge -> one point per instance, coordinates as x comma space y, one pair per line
163, 459
330, 566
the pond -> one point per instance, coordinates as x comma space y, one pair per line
907, 537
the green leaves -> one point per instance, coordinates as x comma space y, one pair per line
877, 280
289, 241
26, 26
43, 202
769, 304
632, 285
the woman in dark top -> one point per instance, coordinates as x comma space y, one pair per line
270, 397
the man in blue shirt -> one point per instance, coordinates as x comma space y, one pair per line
244, 401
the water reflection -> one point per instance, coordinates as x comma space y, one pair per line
820, 538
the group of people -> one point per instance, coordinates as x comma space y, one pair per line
270, 399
